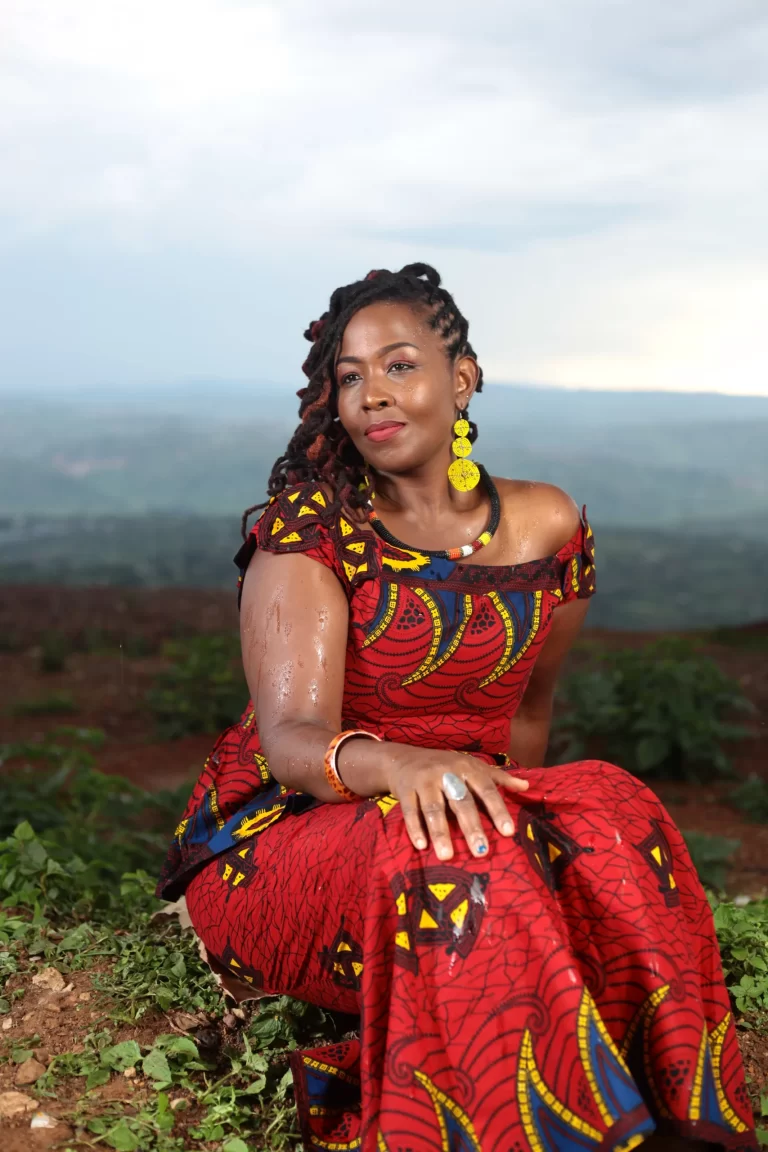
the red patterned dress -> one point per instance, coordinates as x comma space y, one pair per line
562, 993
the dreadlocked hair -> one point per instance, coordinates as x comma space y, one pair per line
320, 449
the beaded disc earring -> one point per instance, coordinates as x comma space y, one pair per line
463, 473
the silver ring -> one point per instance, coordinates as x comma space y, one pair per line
454, 787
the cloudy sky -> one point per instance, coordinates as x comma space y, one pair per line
185, 181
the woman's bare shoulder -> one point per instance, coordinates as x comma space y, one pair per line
543, 513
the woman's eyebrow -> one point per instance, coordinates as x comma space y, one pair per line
381, 352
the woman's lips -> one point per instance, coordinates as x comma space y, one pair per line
383, 431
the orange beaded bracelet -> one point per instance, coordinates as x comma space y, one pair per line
331, 767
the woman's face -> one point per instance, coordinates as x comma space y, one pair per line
398, 391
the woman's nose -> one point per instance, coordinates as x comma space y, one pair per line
376, 393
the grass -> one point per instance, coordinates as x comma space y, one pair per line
76, 893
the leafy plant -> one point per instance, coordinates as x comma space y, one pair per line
52, 704
203, 690
54, 650
742, 933
711, 856
751, 798
662, 710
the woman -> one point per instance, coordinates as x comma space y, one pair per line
530, 950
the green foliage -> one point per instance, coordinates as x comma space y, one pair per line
658, 711
54, 650
751, 798
51, 704
204, 689
711, 856
743, 937
107, 823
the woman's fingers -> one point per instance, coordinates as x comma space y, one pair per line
512, 783
486, 788
412, 819
468, 817
433, 810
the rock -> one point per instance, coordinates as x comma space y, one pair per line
42, 1055
179, 1102
7, 1023
185, 1021
43, 1120
50, 979
229, 1020
29, 1072
14, 1103
129, 1073
84, 996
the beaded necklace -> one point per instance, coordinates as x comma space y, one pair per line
447, 553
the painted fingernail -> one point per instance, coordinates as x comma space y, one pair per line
443, 852
507, 828
421, 844
481, 849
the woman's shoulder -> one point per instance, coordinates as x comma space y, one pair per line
546, 516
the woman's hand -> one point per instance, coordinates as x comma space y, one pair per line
415, 777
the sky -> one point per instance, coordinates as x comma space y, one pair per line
185, 182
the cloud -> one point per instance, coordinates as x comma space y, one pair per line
590, 177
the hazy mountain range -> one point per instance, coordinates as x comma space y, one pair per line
637, 459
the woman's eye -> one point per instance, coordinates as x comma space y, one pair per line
400, 366
350, 378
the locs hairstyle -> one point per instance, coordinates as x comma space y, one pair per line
320, 448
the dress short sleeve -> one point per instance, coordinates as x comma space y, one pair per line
300, 519
578, 558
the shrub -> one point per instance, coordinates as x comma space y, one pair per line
751, 798
659, 711
711, 856
204, 689
53, 704
742, 933
54, 651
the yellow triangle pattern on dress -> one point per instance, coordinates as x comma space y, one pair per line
305, 510
357, 967
656, 853
278, 525
440, 891
346, 529
349, 569
291, 538
400, 904
343, 947
426, 920
459, 914
293, 497
319, 499
554, 852
402, 941
358, 546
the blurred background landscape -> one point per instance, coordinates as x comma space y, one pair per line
144, 488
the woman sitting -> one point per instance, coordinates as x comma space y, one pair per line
530, 951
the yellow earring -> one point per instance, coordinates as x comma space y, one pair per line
463, 473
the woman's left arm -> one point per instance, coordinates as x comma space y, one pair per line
529, 732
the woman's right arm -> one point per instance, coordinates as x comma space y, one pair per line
294, 620
293, 629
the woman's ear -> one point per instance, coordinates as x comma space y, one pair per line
466, 374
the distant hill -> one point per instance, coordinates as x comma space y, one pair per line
637, 459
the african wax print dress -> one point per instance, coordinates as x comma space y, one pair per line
564, 992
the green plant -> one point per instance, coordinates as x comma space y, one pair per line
742, 933
52, 704
658, 711
711, 856
202, 691
54, 650
751, 798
